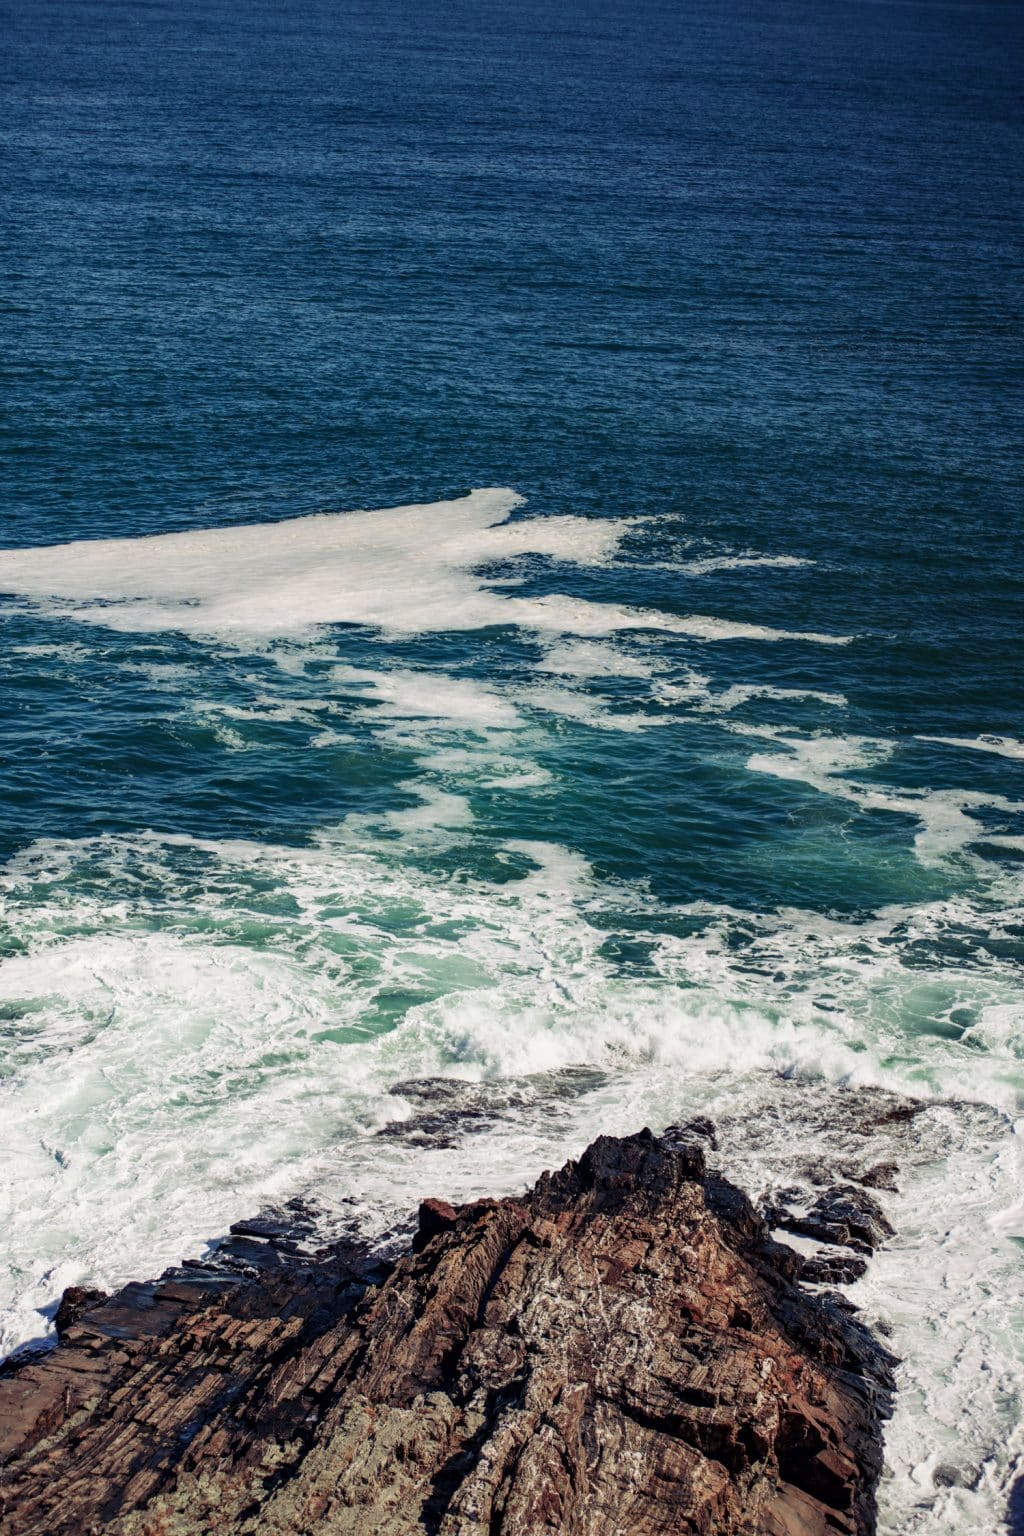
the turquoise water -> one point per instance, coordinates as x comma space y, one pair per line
662, 716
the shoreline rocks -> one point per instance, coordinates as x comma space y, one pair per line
622, 1348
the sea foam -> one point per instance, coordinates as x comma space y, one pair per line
403, 571
948, 818
185, 1053
1002, 746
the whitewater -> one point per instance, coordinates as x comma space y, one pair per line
201, 1019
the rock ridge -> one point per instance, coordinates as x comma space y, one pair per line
622, 1349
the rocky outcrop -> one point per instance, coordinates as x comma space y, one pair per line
623, 1349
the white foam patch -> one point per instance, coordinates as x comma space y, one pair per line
438, 810
739, 694
407, 570
571, 704
412, 694
435, 702
459, 728
68, 652
576, 616
490, 769
224, 720
582, 662
947, 823
710, 564
1002, 746
593, 659
726, 560
265, 709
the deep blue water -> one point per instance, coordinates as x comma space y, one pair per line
746, 276
754, 269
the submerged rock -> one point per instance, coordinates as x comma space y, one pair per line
622, 1349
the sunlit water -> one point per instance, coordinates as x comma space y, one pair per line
690, 752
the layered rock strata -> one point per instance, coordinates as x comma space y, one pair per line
624, 1349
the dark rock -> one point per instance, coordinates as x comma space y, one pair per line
845, 1216
620, 1349
833, 1269
699, 1129
1015, 1508
76, 1300
881, 1176
434, 1216
948, 1476
447, 1109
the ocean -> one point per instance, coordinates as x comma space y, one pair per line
510, 571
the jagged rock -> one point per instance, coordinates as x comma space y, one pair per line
881, 1176
845, 1216
446, 1109
832, 1269
75, 1300
434, 1216
699, 1129
623, 1349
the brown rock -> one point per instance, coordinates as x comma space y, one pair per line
620, 1350
75, 1300
435, 1216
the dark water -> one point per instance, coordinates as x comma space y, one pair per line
747, 277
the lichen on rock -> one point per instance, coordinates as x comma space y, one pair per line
621, 1349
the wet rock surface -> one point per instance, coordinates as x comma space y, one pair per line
624, 1348
444, 1110
844, 1216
